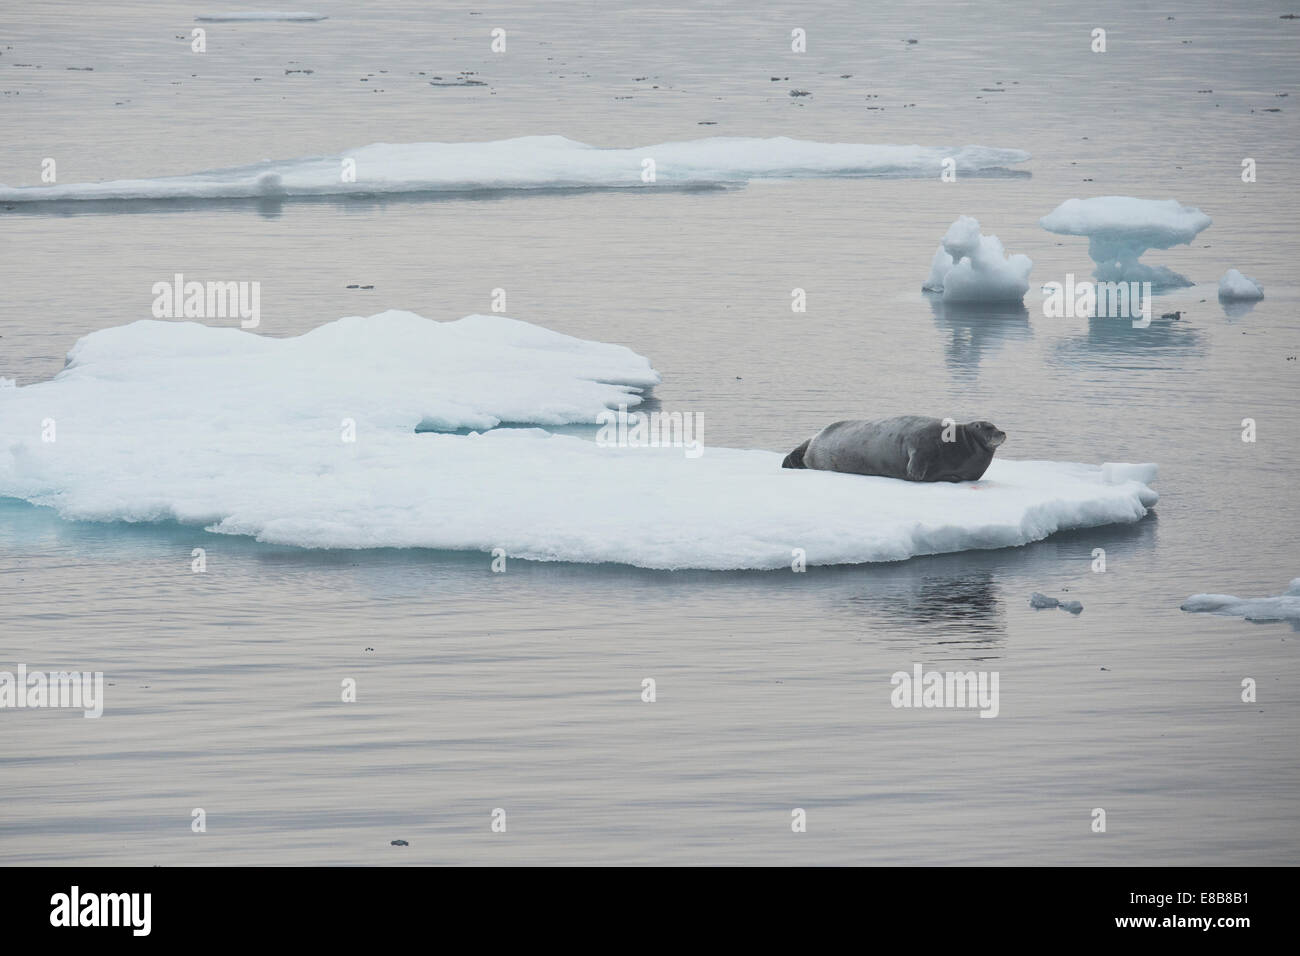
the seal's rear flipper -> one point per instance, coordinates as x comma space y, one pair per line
795, 458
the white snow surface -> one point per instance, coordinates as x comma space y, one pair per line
1116, 472
243, 434
969, 267
1234, 285
533, 162
1121, 228
1285, 607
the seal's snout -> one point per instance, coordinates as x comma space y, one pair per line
990, 434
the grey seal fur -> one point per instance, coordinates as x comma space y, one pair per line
910, 447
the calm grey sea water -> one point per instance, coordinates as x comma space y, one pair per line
522, 690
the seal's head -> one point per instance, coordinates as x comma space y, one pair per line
987, 434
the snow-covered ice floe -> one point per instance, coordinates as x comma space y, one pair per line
970, 268
1121, 228
1239, 288
1284, 607
534, 162
243, 434
299, 16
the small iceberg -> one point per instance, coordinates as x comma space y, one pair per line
1285, 607
1235, 287
1121, 228
972, 268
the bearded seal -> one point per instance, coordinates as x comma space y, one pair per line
910, 447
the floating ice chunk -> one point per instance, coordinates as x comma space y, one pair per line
1236, 286
244, 434
972, 268
250, 15
1121, 228
536, 162
1285, 607
1042, 601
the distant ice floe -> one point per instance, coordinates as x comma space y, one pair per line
534, 162
251, 15
1285, 607
1121, 228
1239, 288
969, 267
243, 434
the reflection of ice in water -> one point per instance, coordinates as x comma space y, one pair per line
1108, 340
977, 331
1236, 308
964, 603
953, 608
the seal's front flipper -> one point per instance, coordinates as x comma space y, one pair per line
795, 458
915, 470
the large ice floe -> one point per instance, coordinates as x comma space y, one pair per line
1284, 607
1121, 228
971, 268
242, 434
534, 162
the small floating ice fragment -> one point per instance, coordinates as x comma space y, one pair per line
1042, 601
1239, 288
1284, 607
